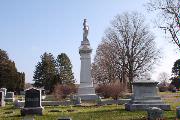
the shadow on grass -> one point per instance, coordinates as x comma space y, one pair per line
15, 116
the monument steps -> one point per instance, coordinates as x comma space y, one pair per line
149, 97
133, 107
148, 102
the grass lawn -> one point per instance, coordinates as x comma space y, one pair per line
109, 112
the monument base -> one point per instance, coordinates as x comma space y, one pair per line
133, 107
32, 111
145, 103
86, 90
88, 97
87, 93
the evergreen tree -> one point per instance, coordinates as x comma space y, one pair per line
12, 77
21, 82
9, 77
65, 73
176, 68
176, 74
45, 72
3, 56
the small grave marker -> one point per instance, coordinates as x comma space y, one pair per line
2, 102
9, 97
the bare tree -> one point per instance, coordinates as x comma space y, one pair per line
105, 69
168, 17
163, 78
127, 50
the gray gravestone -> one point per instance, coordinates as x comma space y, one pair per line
32, 102
2, 102
4, 90
145, 95
155, 113
9, 97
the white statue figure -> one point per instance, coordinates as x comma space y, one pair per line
85, 29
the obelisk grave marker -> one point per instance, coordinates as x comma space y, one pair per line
86, 90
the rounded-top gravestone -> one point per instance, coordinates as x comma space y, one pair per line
32, 102
32, 98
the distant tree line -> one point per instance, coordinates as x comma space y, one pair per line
10, 78
50, 71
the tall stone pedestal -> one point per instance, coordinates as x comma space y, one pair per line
145, 95
86, 90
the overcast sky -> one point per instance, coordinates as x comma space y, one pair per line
28, 28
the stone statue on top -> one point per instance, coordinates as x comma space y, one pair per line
85, 30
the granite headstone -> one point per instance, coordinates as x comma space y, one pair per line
9, 97
32, 102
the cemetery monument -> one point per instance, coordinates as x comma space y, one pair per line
86, 90
145, 95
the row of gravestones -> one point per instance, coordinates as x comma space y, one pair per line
6, 96
141, 90
32, 100
33, 106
